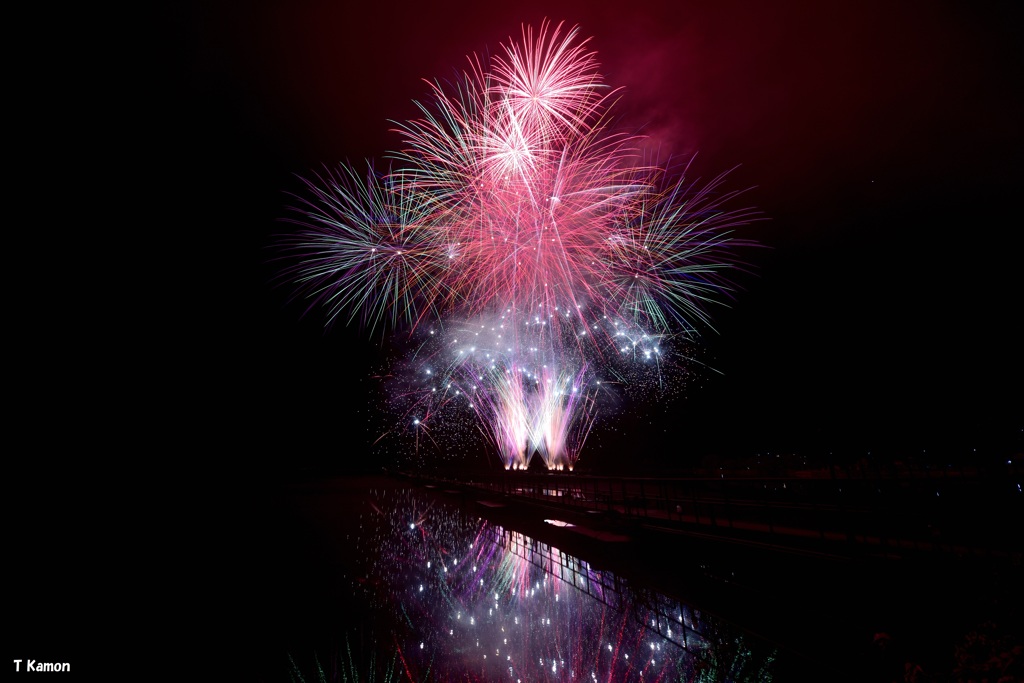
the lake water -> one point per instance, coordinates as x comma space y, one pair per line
373, 579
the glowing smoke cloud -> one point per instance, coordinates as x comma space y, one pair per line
514, 210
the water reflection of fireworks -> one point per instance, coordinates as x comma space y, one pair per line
470, 600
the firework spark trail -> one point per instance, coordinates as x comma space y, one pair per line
366, 247
548, 82
515, 203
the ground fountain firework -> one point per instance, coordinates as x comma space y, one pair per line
525, 249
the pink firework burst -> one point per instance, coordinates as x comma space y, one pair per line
514, 196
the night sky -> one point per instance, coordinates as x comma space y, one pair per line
881, 140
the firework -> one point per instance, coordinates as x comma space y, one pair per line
516, 211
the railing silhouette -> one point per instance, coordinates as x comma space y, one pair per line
965, 513
673, 620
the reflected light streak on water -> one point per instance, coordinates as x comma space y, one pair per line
518, 609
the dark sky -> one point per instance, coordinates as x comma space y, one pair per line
881, 139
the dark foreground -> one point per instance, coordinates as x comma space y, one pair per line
287, 593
